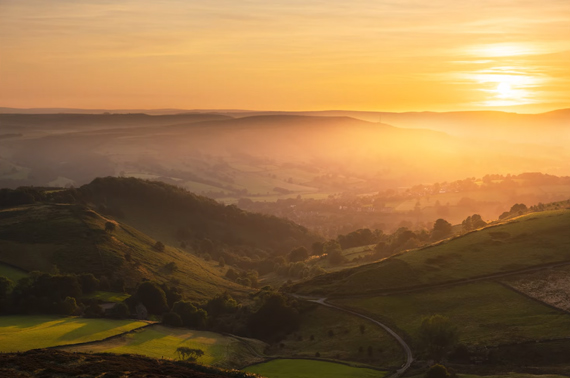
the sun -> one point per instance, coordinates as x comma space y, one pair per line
504, 90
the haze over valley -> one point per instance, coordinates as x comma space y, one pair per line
284, 189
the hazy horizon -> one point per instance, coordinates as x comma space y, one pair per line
441, 56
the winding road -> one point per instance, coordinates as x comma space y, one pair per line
405, 346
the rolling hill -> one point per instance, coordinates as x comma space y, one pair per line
66, 230
174, 214
531, 240
72, 239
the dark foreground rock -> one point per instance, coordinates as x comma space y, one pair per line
43, 363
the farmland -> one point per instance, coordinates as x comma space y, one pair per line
337, 335
311, 369
161, 342
19, 333
487, 313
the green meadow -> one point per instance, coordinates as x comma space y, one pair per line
311, 369
486, 313
161, 342
20, 333
347, 342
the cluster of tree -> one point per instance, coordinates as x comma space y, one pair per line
473, 222
516, 209
51, 294
358, 238
21, 196
247, 278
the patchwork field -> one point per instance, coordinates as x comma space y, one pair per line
161, 342
311, 369
348, 342
487, 313
20, 333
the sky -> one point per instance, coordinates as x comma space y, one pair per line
396, 55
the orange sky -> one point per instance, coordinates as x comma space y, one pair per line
286, 54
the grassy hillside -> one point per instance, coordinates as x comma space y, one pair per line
486, 313
20, 333
347, 341
527, 241
173, 214
73, 239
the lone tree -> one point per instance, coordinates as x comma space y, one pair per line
159, 246
185, 353
441, 229
437, 335
110, 227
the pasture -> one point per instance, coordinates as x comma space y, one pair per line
486, 313
347, 341
311, 369
161, 342
20, 333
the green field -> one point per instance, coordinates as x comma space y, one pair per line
12, 274
20, 333
345, 342
526, 241
311, 369
161, 342
108, 296
486, 313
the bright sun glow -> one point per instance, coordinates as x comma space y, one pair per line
504, 90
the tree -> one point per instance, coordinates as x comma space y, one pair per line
69, 306
110, 227
298, 254
437, 335
88, 282
189, 353
441, 229
192, 317
317, 248
171, 267
232, 275
334, 252
172, 319
6, 287
151, 295
221, 262
159, 246
437, 371
274, 319
120, 311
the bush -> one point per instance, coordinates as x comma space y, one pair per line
172, 319
437, 371
120, 311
